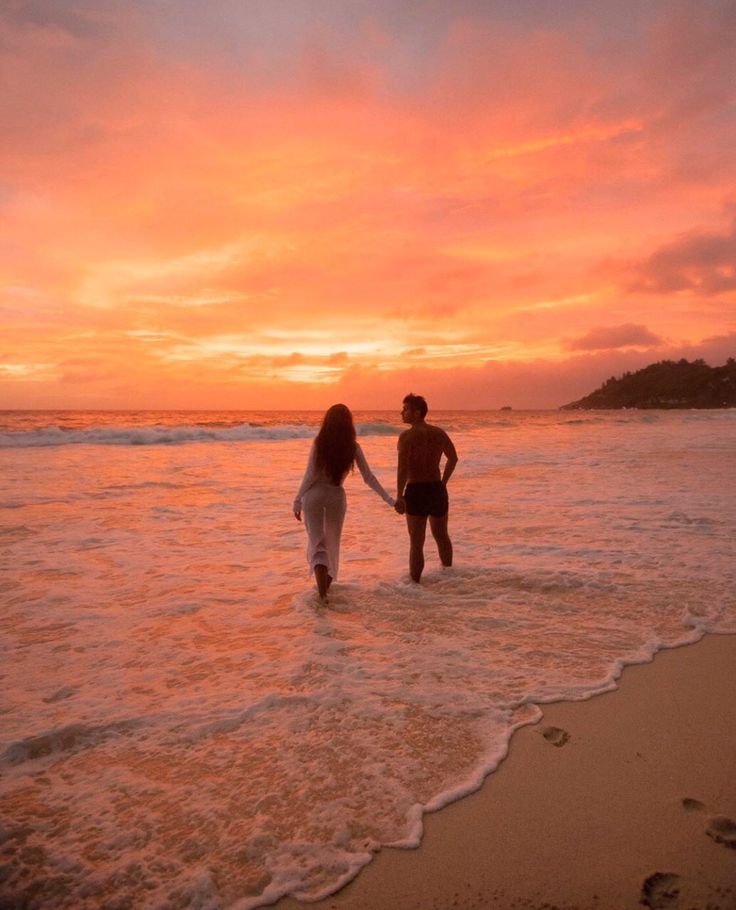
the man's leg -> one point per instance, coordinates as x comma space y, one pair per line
438, 526
417, 527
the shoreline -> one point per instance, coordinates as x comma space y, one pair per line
623, 800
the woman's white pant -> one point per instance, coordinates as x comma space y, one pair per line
324, 506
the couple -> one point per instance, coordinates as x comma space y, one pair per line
421, 491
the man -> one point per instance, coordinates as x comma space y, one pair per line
421, 491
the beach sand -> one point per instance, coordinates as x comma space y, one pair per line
622, 801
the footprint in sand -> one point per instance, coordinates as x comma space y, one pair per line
555, 735
723, 831
660, 890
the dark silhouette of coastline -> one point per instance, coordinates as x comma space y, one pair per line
667, 384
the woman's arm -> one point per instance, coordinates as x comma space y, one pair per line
369, 477
307, 482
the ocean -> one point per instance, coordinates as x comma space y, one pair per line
182, 726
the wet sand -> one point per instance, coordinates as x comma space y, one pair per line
627, 800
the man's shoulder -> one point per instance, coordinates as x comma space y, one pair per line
436, 431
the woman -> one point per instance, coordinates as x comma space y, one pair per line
321, 496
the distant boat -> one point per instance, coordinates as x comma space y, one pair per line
507, 407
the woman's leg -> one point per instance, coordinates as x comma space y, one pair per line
314, 522
323, 581
324, 513
334, 518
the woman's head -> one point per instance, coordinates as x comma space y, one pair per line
335, 442
339, 417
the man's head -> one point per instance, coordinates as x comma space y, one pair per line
414, 409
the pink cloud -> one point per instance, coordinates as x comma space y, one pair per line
699, 261
614, 336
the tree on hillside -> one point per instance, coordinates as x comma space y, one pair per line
667, 384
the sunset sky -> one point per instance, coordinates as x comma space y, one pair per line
287, 203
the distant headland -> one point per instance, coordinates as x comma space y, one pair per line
667, 384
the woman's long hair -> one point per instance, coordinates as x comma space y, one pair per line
335, 443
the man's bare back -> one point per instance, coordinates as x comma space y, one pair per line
420, 448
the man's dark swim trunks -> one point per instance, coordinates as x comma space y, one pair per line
426, 498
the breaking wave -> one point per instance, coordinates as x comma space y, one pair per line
169, 435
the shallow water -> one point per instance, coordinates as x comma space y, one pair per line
181, 726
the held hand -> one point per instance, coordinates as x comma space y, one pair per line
297, 515
400, 506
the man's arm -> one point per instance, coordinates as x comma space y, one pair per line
401, 474
448, 450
